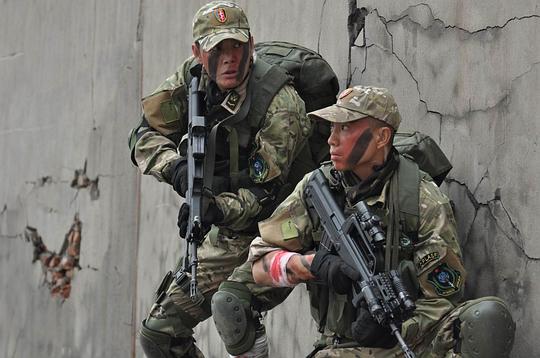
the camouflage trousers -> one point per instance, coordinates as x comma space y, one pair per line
175, 314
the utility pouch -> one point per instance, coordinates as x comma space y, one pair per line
163, 286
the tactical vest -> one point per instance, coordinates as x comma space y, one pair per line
335, 312
264, 83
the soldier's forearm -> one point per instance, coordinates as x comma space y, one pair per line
282, 269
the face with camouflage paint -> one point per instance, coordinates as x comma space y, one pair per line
352, 147
227, 63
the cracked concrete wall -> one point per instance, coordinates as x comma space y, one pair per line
69, 88
72, 72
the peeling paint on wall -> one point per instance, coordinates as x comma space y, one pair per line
58, 268
81, 181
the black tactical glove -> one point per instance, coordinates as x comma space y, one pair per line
213, 215
178, 176
368, 333
334, 271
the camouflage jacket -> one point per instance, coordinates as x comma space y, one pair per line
435, 250
269, 151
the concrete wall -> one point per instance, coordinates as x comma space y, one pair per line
72, 73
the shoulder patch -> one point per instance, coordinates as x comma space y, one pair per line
427, 259
445, 279
258, 168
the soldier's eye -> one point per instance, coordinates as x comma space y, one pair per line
215, 49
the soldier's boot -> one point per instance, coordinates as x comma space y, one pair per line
238, 326
157, 344
486, 329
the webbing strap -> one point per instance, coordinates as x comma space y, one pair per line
409, 196
234, 158
210, 159
265, 82
404, 201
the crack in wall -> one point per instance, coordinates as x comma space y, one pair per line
356, 21
16, 236
434, 20
320, 27
488, 206
45, 180
502, 101
445, 26
424, 102
140, 23
11, 56
93, 70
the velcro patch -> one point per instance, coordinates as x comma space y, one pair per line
288, 230
168, 111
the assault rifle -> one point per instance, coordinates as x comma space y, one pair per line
194, 196
356, 240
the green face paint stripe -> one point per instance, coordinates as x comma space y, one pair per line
213, 60
243, 62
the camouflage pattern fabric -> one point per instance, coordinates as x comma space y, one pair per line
359, 102
283, 132
282, 135
436, 252
217, 21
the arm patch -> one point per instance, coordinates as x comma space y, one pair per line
165, 110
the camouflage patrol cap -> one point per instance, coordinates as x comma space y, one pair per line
360, 102
217, 21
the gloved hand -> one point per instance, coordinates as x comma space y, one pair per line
334, 271
213, 215
368, 333
178, 174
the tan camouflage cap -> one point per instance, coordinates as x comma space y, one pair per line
217, 21
359, 102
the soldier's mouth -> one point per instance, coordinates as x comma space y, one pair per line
230, 74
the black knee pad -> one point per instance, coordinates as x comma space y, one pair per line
155, 344
231, 309
487, 329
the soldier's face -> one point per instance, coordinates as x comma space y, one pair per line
227, 63
351, 144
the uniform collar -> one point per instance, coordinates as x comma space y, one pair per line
234, 97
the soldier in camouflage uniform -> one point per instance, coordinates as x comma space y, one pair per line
254, 153
365, 166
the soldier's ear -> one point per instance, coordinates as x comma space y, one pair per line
383, 136
251, 45
196, 50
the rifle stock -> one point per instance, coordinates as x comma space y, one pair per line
355, 240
